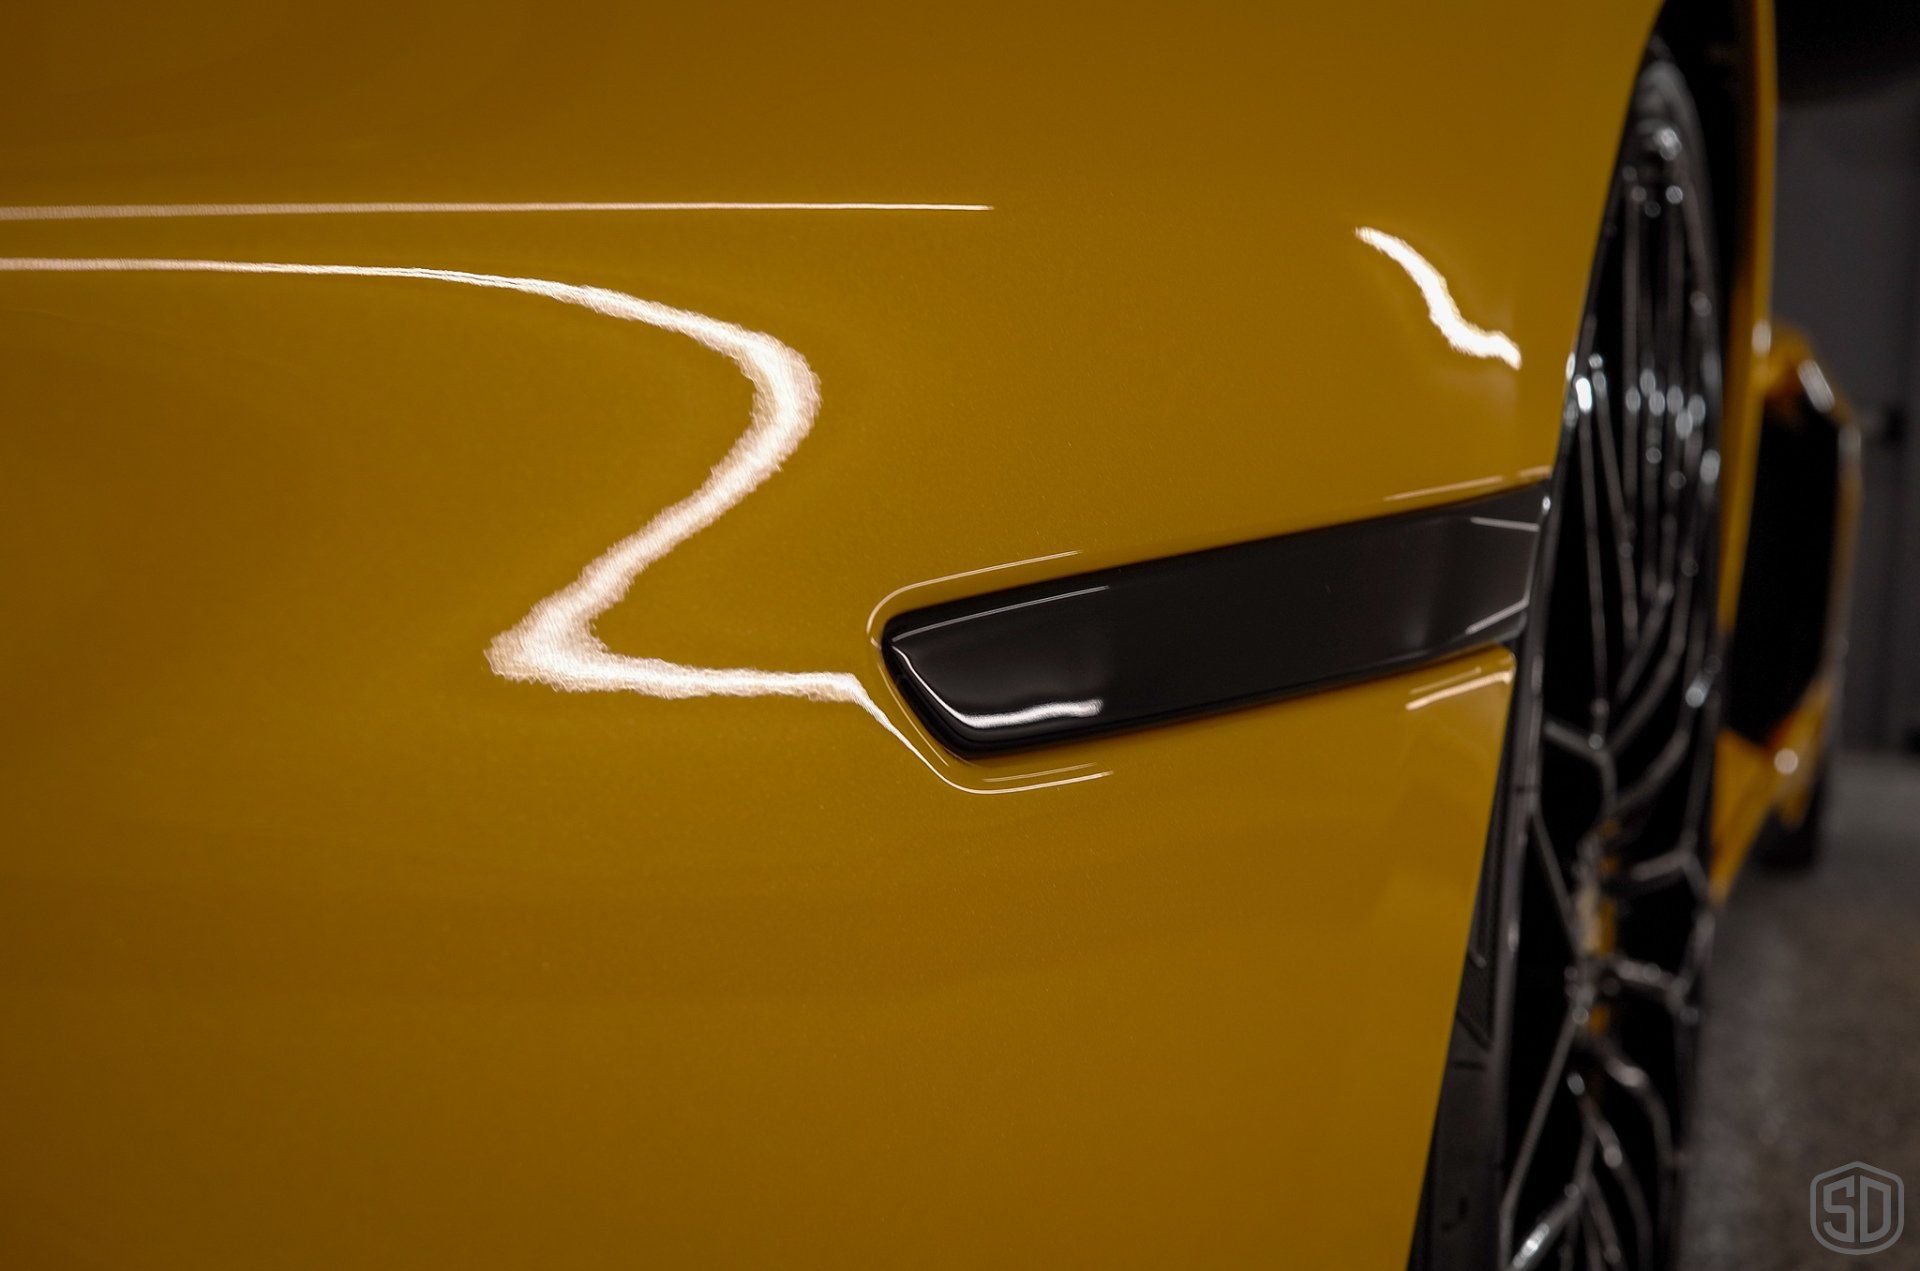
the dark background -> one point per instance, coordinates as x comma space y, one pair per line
1847, 273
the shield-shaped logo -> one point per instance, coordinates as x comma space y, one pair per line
1858, 1209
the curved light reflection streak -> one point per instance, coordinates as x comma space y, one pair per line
555, 643
1083, 708
171, 211
1455, 487
873, 616
1441, 310
1465, 682
988, 613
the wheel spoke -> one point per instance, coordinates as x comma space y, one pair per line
1614, 1158
1677, 865
1644, 980
1631, 1080
1559, 1219
1551, 873
1612, 795
1537, 1116
1596, 583
1616, 510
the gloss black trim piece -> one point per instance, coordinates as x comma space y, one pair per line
1209, 631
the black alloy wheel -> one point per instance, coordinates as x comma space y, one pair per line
1560, 1137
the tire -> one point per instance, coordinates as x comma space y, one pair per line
1563, 1109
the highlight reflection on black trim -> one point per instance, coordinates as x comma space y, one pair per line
1212, 630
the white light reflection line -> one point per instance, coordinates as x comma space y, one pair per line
1045, 772
1083, 709
173, 211
1492, 618
1441, 310
947, 578
988, 613
1478, 681
1814, 383
1477, 483
1024, 776
1455, 678
555, 644
1495, 523
1037, 785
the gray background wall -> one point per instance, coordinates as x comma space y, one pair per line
1847, 272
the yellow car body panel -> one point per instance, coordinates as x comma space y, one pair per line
323, 943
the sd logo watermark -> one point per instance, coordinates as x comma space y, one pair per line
1858, 1209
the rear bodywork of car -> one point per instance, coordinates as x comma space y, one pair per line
380, 888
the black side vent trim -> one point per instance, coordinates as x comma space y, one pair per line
1781, 634
1210, 631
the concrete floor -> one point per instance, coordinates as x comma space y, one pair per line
1811, 1057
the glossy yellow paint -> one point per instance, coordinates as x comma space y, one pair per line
1753, 783
324, 945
